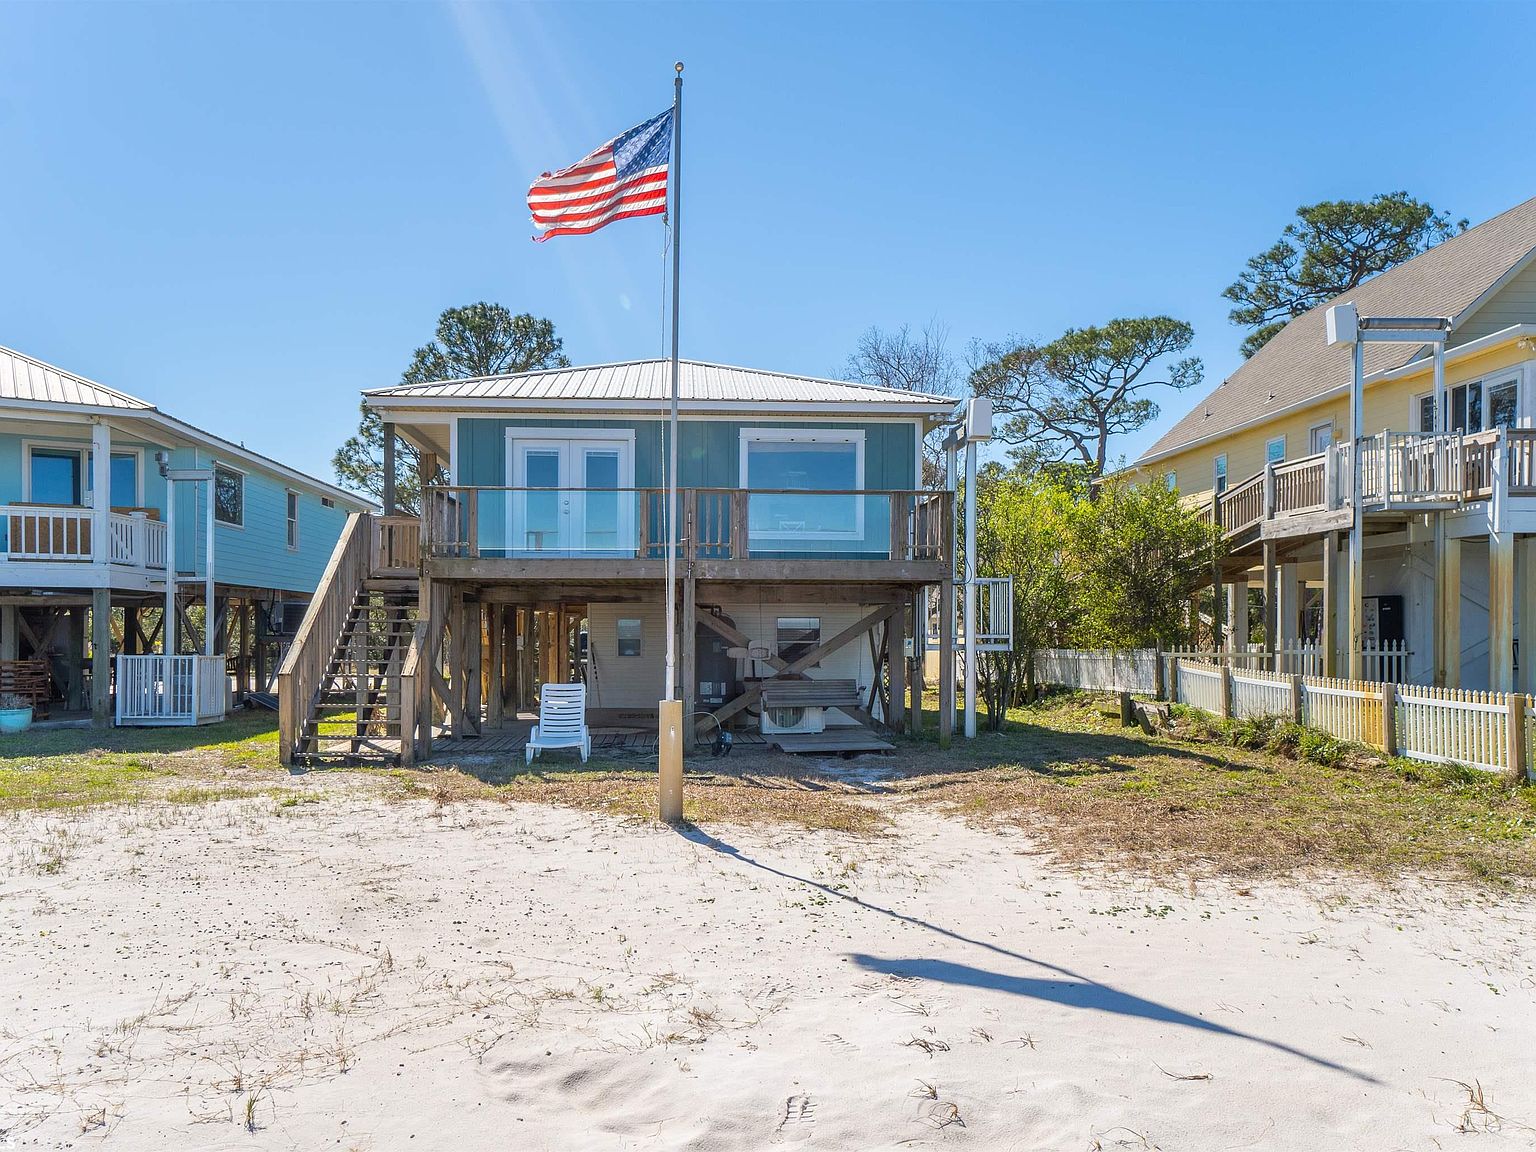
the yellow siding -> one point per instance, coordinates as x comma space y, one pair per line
1388, 407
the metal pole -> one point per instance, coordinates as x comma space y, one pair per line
1440, 423
970, 589
208, 610
670, 717
168, 625
1357, 527
676, 207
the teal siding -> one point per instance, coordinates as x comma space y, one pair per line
709, 451
256, 555
709, 456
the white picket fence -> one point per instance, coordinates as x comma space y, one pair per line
1348, 709
1200, 685
1450, 726
1102, 670
1256, 694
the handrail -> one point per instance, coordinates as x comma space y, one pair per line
300, 674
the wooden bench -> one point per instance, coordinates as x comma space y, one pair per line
29, 679
811, 694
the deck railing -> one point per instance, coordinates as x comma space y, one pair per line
52, 533
396, 544
156, 690
1301, 486
1505, 455
714, 523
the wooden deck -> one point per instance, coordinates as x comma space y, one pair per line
835, 741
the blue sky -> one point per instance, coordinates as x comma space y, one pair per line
249, 213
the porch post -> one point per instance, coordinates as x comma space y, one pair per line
896, 662
1525, 569
1237, 613
946, 663
389, 467
1289, 607
1501, 611
688, 624
1328, 641
1271, 603
101, 499
1448, 606
101, 657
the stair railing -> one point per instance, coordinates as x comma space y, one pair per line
304, 665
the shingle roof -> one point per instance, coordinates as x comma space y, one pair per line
1297, 364
650, 381
23, 378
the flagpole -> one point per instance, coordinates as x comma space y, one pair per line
670, 736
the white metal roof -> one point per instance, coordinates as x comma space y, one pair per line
26, 383
650, 382
26, 379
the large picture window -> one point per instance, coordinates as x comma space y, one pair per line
1480, 406
777, 463
228, 496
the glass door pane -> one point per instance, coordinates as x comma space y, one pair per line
55, 476
538, 519
601, 527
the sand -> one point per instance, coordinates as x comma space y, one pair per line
357, 974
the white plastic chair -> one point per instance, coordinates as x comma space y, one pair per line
562, 721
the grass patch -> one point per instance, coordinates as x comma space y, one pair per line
1246, 797
79, 767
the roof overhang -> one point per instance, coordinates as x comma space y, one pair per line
1412, 368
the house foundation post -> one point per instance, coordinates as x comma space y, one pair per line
495, 702
946, 663
1525, 571
101, 654
896, 663
1328, 641
1271, 605
1501, 611
688, 625
1288, 629
1237, 613
1448, 607
9, 631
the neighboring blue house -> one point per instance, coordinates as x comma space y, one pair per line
78, 566
810, 553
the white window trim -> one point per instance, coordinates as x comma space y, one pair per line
213, 494
1270, 443
1219, 472
625, 436
820, 635
1171, 480
295, 543
749, 436
1515, 376
1328, 424
618, 640
83, 450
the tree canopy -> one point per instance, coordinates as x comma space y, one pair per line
475, 340
1062, 401
1330, 248
909, 362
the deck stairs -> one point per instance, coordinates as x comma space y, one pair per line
354, 715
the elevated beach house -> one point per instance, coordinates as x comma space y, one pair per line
806, 546
88, 534
1448, 502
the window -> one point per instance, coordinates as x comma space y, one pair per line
228, 496
629, 637
1172, 480
1320, 437
293, 520
1274, 450
776, 462
327, 502
55, 476
1221, 473
1474, 407
796, 636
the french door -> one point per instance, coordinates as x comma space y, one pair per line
572, 497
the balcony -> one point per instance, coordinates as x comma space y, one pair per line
49, 534
726, 533
1400, 474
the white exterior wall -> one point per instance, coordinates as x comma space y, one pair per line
636, 682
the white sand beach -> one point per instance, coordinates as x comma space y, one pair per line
357, 974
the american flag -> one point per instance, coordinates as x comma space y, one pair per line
625, 177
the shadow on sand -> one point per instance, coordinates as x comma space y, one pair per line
1070, 988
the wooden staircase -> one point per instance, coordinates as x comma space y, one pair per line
354, 716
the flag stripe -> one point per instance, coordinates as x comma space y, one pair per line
626, 177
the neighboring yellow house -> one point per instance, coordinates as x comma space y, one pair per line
1449, 516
